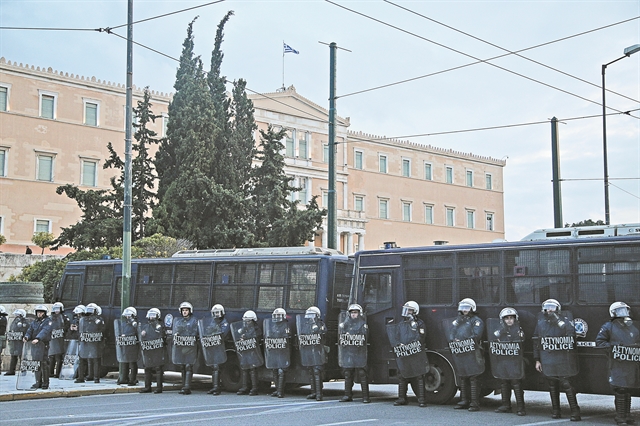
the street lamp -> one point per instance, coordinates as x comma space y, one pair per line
627, 52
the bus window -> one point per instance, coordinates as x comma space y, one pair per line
229, 273
235, 285
273, 273
191, 283
303, 282
376, 293
341, 286
428, 279
193, 273
98, 284
153, 286
533, 276
607, 274
271, 289
70, 290
479, 276
270, 298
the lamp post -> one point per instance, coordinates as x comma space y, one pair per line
627, 52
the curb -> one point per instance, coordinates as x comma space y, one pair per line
69, 393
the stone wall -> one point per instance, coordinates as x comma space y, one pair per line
12, 264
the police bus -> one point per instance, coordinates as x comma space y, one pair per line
585, 275
260, 279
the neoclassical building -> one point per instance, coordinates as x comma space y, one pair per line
55, 126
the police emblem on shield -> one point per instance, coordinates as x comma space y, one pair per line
581, 327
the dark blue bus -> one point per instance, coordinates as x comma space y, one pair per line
240, 279
584, 275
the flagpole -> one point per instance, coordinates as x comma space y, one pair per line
283, 65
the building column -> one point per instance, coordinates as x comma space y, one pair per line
349, 249
325, 239
360, 242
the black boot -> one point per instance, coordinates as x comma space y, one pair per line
519, 393
312, 382
159, 374
183, 374
96, 370
45, 375
573, 404
475, 395
215, 382
81, 370
318, 379
280, 386
464, 394
38, 383
52, 365
59, 360
554, 392
275, 383
244, 390
621, 408
505, 392
186, 390
133, 374
12, 366
253, 373
402, 392
422, 401
364, 384
123, 376
147, 381
630, 419
348, 387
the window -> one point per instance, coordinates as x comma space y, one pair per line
382, 160
47, 105
469, 178
42, 225
90, 113
1, 225
359, 203
302, 194
303, 280
165, 123
358, 160
427, 171
3, 162
489, 221
448, 174
89, 173
406, 167
406, 211
325, 199
471, 219
377, 291
489, 183
325, 153
44, 167
290, 145
450, 216
428, 215
303, 143
4, 98
383, 209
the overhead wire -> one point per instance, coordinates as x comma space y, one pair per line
168, 14
624, 190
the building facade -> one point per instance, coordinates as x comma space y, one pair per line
55, 127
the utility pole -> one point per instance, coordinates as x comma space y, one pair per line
555, 167
332, 222
126, 234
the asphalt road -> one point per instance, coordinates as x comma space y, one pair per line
294, 409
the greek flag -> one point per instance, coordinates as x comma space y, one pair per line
289, 49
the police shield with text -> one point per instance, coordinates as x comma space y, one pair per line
152, 338
214, 332
464, 334
57, 347
246, 336
15, 334
127, 346
506, 340
554, 351
353, 333
311, 335
91, 343
184, 351
3, 331
407, 338
35, 359
277, 348
621, 337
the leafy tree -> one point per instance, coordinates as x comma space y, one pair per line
43, 240
158, 245
3, 239
587, 222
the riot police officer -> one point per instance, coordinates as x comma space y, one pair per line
353, 333
247, 336
17, 329
40, 332
277, 348
554, 353
58, 333
152, 337
507, 363
311, 341
91, 328
184, 350
3, 331
621, 336
465, 338
127, 346
214, 334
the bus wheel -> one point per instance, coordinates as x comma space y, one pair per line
230, 373
440, 381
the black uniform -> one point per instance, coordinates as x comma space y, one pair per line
127, 348
55, 361
185, 349
471, 328
40, 330
316, 358
3, 331
153, 341
417, 383
216, 347
277, 351
507, 362
90, 347
250, 331
17, 330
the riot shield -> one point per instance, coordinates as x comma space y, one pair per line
70, 361
625, 354
505, 349
90, 343
247, 345
277, 349
467, 353
56, 344
557, 344
411, 358
15, 334
32, 357
185, 333
212, 336
152, 344
352, 341
127, 346
310, 341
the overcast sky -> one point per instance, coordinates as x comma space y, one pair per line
472, 97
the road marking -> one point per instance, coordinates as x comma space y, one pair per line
349, 422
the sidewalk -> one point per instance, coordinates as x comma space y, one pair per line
67, 388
